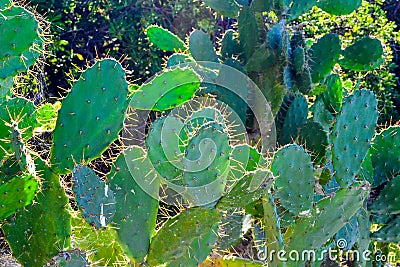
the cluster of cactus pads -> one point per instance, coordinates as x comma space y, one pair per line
333, 175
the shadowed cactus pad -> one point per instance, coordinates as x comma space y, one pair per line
94, 197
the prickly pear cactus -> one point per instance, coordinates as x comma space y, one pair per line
180, 237
294, 185
166, 91
164, 39
16, 53
91, 116
136, 209
352, 134
51, 229
94, 197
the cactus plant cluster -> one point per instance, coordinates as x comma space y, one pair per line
332, 176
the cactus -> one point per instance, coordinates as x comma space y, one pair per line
300, 7
201, 48
232, 228
294, 119
387, 201
350, 233
364, 55
385, 153
333, 95
247, 28
172, 88
388, 233
52, 227
340, 7
352, 134
315, 139
94, 197
294, 185
136, 209
180, 237
73, 258
230, 45
227, 8
16, 53
164, 39
324, 54
84, 130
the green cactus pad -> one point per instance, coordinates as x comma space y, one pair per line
16, 53
136, 212
352, 134
164, 39
324, 54
366, 171
233, 226
333, 95
385, 153
16, 194
294, 185
315, 139
263, 57
271, 225
166, 156
389, 233
331, 215
387, 201
102, 244
227, 8
339, 7
321, 114
4, 4
94, 197
364, 226
303, 81
248, 31
179, 236
275, 36
299, 59
18, 113
14, 24
178, 58
5, 88
300, 7
91, 116
294, 119
230, 45
201, 47
168, 90
207, 162
51, 229
247, 190
350, 232
364, 55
